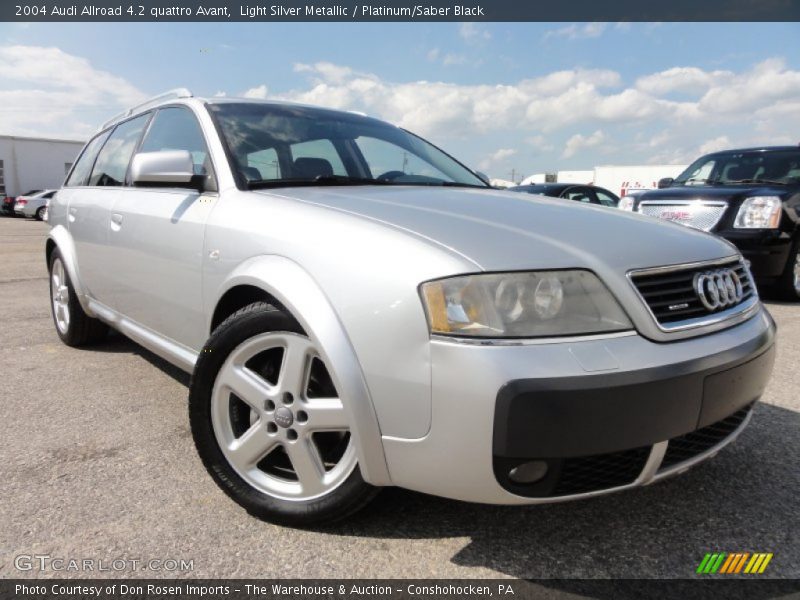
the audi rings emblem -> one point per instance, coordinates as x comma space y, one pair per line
718, 289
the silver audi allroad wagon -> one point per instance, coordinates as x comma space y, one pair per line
358, 309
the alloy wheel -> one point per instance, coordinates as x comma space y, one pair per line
278, 419
60, 293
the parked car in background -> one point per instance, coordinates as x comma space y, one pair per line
358, 309
8, 205
34, 205
10, 201
751, 197
571, 191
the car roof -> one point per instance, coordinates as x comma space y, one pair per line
756, 149
184, 96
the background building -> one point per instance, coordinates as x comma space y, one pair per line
28, 163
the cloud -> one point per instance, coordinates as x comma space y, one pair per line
44, 90
713, 103
578, 142
496, 157
576, 31
473, 34
719, 143
259, 92
681, 79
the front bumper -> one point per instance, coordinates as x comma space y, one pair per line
604, 413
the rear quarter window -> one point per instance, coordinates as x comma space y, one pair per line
82, 168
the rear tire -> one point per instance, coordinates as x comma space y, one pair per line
40, 213
73, 325
789, 283
269, 425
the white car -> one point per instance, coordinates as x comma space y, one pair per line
34, 205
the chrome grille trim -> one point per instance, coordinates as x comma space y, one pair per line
703, 214
700, 318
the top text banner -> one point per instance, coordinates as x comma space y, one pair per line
402, 10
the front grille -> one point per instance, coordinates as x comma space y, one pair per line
697, 214
600, 471
671, 296
686, 447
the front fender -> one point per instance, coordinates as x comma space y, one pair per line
296, 290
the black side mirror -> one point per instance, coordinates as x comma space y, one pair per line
665, 182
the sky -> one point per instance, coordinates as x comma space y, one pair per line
502, 97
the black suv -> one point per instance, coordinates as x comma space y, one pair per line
751, 197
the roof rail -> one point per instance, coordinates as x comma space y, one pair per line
176, 93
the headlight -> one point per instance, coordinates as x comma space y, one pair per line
522, 305
759, 212
626, 203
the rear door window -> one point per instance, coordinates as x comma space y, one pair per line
80, 173
82, 169
112, 162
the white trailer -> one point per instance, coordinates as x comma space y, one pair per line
620, 180
28, 163
582, 177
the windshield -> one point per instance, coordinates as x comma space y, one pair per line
276, 145
782, 167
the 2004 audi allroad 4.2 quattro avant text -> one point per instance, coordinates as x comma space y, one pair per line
358, 309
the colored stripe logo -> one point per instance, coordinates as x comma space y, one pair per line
732, 563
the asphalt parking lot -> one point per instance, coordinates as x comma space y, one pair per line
96, 461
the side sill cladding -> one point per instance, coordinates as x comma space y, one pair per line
296, 290
63, 241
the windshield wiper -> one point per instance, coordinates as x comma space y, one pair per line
316, 181
757, 180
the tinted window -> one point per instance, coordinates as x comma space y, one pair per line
578, 194
80, 174
780, 166
112, 162
178, 129
310, 144
322, 150
263, 164
605, 198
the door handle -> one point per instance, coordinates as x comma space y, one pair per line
116, 221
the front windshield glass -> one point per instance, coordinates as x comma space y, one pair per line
278, 145
782, 167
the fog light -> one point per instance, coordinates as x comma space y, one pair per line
529, 472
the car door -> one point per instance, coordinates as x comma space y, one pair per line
90, 193
156, 237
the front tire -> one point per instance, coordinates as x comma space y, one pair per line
73, 325
268, 423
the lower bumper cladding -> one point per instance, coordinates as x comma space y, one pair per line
564, 477
558, 438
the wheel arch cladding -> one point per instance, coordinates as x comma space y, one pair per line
60, 238
284, 283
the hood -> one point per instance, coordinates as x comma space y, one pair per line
510, 231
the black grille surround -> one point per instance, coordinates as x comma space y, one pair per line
670, 295
686, 447
602, 472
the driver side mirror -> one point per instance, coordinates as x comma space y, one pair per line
665, 182
165, 168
